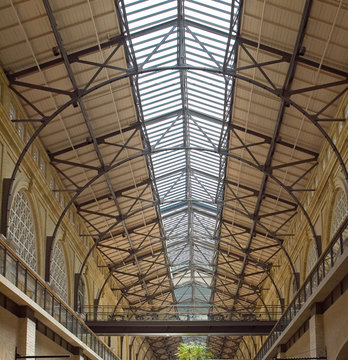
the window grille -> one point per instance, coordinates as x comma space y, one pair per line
42, 167
340, 211
20, 130
311, 257
81, 296
36, 155
21, 234
58, 272
12, 113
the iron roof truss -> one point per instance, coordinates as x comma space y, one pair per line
169, 237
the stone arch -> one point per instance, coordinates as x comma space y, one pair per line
22, 229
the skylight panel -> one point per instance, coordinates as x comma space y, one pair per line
161, 110
158, 101
198, 104
166, 165
205, 89
154, 77
165, 55
216, 100
183, 111
183, 294
146, 46
159, 88
169, 135
205, 183
140, 17
215, 55
216, 41
215, 82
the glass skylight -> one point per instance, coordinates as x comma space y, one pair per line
185, 95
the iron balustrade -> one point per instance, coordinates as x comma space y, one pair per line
20, 275
324, 264
179, 312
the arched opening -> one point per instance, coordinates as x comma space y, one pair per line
81, 296
340, 211
58, 278
21, 232
312, 258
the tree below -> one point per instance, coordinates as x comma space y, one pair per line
193, 351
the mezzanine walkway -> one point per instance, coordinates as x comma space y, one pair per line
178, 320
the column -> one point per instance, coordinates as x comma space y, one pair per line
26, 332
316, 332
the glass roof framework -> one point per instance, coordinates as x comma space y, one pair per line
184, 105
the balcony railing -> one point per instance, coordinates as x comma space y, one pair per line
324, 264
179, 312
20, 275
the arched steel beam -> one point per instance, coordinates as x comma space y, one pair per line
145, 353
173, 149
96, 301
269, 275
147, 152
123, 293
139, 348
130, 348
131, 72
247, 346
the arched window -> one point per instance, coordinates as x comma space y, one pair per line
340, 211
293, 286
312, 257
81, 296
58, 272
21, 234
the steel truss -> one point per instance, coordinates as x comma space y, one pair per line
155, 282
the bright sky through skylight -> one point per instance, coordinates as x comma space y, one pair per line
185, 114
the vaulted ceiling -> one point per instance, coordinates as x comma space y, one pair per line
185, 132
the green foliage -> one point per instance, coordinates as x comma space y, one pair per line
193, 351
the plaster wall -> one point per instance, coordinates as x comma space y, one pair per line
8, 334
301, 347
336, 326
